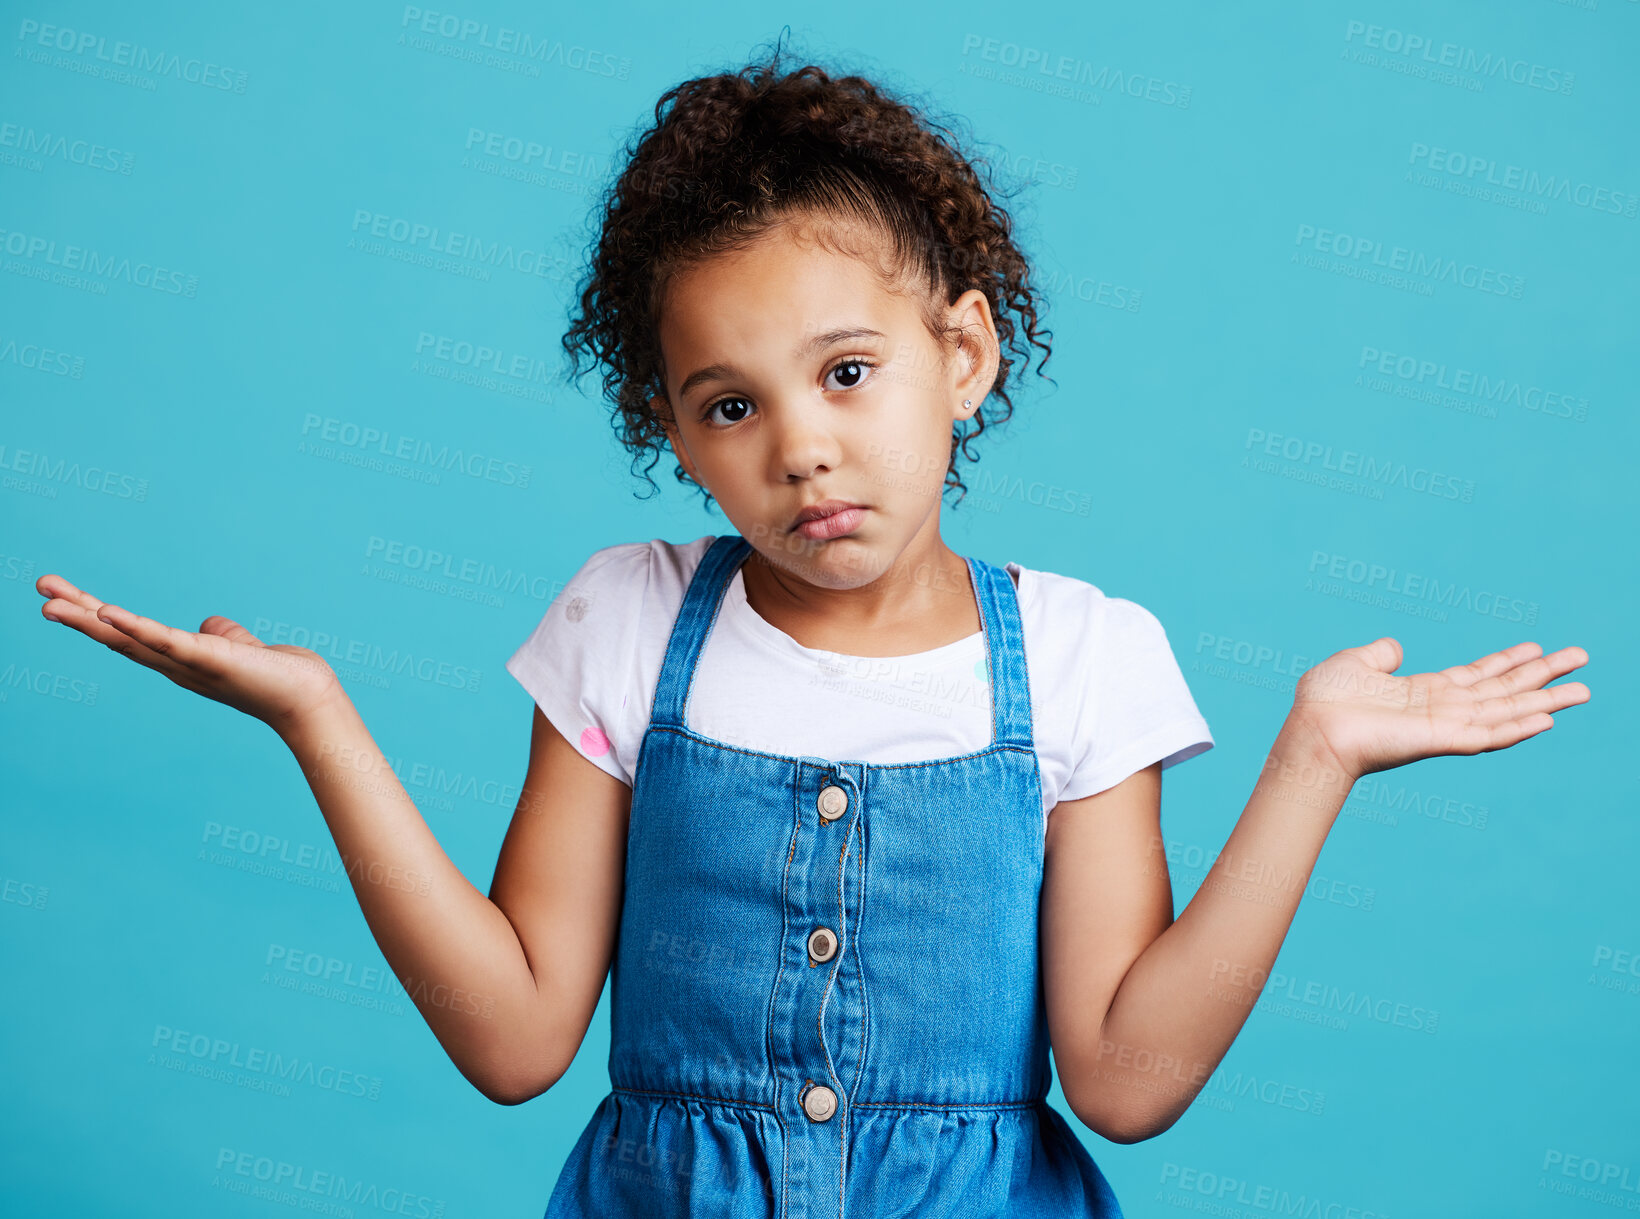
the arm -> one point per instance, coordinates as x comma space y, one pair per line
1173, 993
1142, 1007
507, 983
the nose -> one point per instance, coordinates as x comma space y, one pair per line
803, 442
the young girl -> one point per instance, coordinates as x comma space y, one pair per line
855, 826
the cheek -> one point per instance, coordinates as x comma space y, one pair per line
906, 424
908, 461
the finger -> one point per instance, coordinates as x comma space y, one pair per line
1506, 707
178, 647
1515, 731
71, 613
74, 607
228, 629
1534, 673
54, 587
1491, 666
173, 653
1382, 654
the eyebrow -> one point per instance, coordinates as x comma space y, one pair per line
723, 372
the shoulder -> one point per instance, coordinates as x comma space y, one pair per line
638, 572
591, 661
1061, 607
618, 593
654, 556
1082, 643
1117, 697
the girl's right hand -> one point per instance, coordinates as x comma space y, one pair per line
279, 685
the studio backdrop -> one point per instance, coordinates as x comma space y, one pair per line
1345, 345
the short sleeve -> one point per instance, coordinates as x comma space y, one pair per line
1139, 709
580, 661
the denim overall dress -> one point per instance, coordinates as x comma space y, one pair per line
826, 1001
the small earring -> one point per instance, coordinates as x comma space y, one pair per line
967, 404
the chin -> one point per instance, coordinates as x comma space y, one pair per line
845, 562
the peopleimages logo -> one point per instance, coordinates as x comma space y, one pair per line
1374, 799
1200, 1189
219, 1058
1232, 981
1419, 586
1387, 472
44, 252
54, 146
1042, 64
1609, 1181
425, 241
430, 560
1437, 374
58, 471
42, 359
1469, 168
434, 454
319, 1190
534, 153
131, 55
1431, 267
504, 40
1429, 51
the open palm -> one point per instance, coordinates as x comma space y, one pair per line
1370, 719
223, 661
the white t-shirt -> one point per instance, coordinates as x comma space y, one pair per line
1107, 696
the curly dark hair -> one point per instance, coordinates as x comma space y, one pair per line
731, 156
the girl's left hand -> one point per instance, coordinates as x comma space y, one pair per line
1368, 719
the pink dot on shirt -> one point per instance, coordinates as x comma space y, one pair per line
594, 743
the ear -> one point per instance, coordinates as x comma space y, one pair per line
663, 412
974, 368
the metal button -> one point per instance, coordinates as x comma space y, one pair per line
822, 944
833, 800
819, 1102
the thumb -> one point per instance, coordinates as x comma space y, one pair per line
228, 629
1382, 654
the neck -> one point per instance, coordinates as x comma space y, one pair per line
923, 600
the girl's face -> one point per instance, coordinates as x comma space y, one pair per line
796, 377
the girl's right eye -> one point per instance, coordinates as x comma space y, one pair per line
725, 402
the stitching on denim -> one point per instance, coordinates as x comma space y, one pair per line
1025, 681
1024, 663
843, 930
721, 578
712, 1100
859, 973
977, 579
859, 968
845, 937
687, 612
1029, 1103
780, 972
1013, 643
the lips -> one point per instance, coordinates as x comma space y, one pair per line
828, 519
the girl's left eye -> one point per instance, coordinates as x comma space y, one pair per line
856, 364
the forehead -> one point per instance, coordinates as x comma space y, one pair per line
791, 283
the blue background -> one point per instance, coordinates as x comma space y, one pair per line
1207, 337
